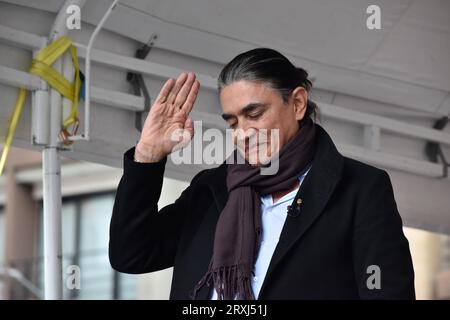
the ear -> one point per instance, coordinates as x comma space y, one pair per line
300, 101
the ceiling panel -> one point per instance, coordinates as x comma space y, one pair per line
417, 50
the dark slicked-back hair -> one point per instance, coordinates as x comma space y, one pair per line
268, 66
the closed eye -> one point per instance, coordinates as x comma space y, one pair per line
232, 125
255, 116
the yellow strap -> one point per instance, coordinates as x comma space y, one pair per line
12, 127
41, 66
53, 78
54, 50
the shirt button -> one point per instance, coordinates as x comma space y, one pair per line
255, 278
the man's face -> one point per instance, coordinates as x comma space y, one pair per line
249, 107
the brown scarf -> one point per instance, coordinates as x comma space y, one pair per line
239, 228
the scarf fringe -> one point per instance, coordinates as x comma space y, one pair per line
230, 282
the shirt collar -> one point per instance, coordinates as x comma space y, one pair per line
267, 199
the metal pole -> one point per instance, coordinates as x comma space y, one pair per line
52, 203
87, 80
52, 178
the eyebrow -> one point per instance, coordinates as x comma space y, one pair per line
247, 109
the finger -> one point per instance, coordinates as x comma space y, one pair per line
165, 90
188, 132
189, 126
173, 93
190, 100
182, 95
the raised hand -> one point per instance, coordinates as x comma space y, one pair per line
168, 126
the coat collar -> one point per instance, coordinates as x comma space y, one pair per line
315, 191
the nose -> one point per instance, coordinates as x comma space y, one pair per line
241, 134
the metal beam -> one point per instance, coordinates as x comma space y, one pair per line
19, 79
384, 123
153, 69
391, 161
20, 38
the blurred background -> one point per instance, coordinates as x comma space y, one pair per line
382, 90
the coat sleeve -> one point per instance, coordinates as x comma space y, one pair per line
143, 239
380, 247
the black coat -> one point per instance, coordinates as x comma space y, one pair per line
348, 221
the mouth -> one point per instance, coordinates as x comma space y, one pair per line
251, 148
256, 149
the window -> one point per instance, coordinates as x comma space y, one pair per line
85, 237
430, 255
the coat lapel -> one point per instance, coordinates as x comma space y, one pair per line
315, 193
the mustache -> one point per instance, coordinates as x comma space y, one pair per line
253, 140
250, 144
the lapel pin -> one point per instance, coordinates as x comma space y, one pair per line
294, 211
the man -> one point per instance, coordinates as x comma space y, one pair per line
322, 227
